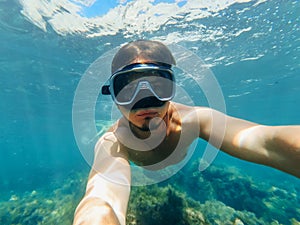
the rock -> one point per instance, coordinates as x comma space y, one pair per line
237, 221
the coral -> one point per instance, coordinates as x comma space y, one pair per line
161, 205
44, 206
240, 192
217, 196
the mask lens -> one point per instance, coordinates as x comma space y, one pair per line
162, 84
124, 86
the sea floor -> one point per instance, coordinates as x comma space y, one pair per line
217, 196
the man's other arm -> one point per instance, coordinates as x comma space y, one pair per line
275, 146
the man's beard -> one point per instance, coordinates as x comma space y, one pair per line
146, 125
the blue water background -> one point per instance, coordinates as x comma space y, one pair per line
41, 70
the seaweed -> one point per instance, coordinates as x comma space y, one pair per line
162, 205
218, 196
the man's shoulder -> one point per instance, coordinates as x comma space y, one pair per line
110, 144
106, 138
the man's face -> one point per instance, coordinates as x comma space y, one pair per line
142, 91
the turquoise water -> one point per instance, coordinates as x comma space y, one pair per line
253, 50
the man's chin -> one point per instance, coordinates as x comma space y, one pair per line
147, 121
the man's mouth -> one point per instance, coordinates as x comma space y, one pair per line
147, 113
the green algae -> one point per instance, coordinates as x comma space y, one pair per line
216, 196
44, 206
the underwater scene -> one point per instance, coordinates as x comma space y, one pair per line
251, 49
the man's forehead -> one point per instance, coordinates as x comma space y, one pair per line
140, 59
142, 52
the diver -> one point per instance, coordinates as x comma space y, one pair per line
155, 132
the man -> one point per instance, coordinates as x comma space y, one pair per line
155, 132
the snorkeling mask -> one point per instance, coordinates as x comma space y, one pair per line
128, 83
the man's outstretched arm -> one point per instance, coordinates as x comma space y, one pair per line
275, 146
108, 188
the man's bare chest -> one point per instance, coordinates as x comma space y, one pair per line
168, 152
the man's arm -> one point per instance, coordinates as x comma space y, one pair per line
107, 193
275, 146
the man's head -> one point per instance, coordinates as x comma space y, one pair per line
142, 51
142, 81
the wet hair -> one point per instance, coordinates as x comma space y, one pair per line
150, 51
